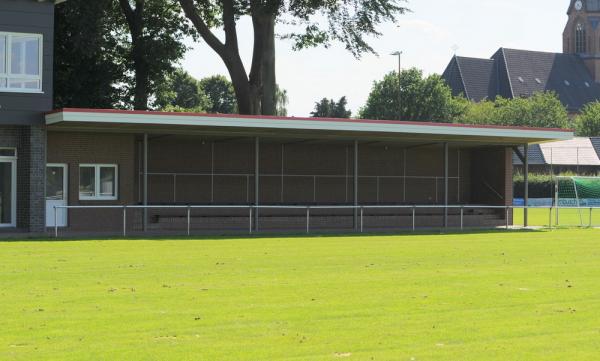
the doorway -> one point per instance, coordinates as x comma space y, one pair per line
56, 195
8, 187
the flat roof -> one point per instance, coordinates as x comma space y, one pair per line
157, 122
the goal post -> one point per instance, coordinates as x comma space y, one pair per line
576, 192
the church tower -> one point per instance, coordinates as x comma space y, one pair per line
582, 34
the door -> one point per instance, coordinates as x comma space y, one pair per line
8, 192
56, 194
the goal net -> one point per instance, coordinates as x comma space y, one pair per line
574, 194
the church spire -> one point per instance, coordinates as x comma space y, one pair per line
582, 34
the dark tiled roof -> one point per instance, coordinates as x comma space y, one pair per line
479, 77
515, 73
596, 144
536, 157
453, 78
565, 74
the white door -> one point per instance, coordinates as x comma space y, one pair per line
56, 194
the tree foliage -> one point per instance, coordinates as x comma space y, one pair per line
219, 91
329, 108
115, 53
542, 110
587, 124
182, 92
281, 101
318, 22
418, 98
88, 50
156, 32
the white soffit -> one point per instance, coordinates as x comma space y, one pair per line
351, 125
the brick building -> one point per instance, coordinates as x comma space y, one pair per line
83, 157
179, 159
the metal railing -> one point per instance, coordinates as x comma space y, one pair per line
358, 214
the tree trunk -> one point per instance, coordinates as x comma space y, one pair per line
140, 96
135, 22
255, 92
268, 81
239, 79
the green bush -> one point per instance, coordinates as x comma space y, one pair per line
540, 185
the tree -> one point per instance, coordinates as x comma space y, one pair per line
220, 92
157, 29
421, 98
182, 92
281, 102
542, 110
88, 61
329, 108
587, 123
349, 22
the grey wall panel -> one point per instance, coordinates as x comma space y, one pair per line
29, 16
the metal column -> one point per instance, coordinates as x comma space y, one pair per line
446, 175
526, 181
145, 180
256, 180
356, 185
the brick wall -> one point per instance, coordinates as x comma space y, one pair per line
193, 159
492, 185
31, 173
300, 173
95, 148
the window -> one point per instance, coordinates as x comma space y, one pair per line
21, 62
98, 182
580, 39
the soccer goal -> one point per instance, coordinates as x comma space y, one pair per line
577, 196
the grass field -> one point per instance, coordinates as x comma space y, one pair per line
567, 217
489, 296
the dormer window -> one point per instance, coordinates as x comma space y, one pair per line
20, 62
580, 39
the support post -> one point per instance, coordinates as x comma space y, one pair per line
250, 220
362, 222
526, 182
462, 214
55, 222
356, 185
307, 219
556, 201
414, 216
256, 180
124, 221
189, 220
145, 180
446, 175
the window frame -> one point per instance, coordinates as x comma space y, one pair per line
97, 182
8, 64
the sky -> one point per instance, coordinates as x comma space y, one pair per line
428, 37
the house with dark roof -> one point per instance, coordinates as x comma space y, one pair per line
579, 155
573, 75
